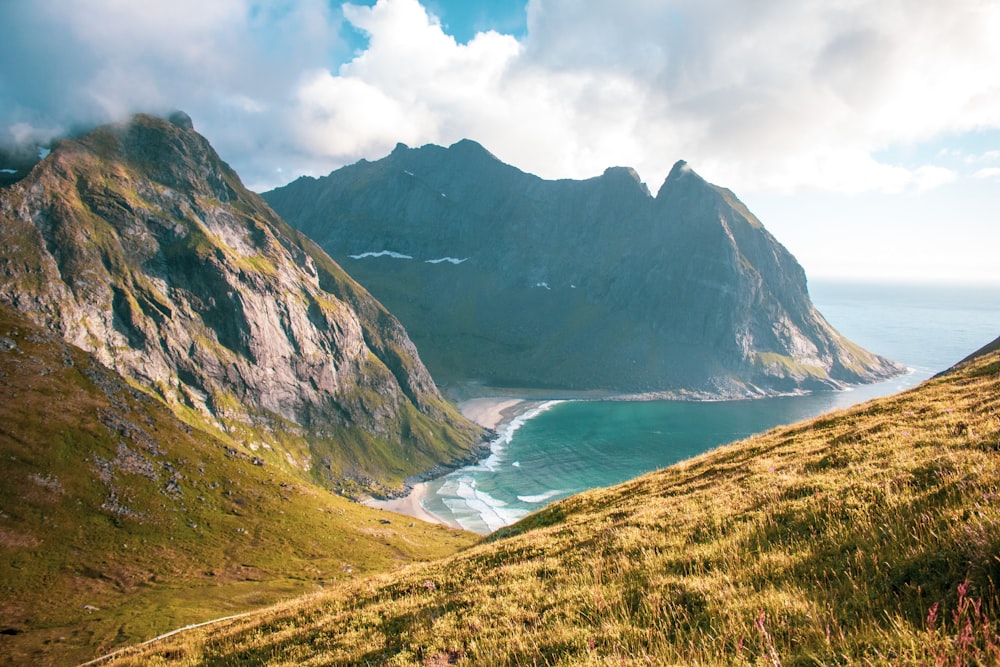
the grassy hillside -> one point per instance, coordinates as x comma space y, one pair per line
119, 522
868, 536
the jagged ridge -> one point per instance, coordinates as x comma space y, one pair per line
587, 285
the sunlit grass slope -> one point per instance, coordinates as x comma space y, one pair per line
119, 522
868, 536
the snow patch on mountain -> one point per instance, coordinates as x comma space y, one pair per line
381, 253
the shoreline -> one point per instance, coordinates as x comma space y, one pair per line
494, 414
409, 505
497, 413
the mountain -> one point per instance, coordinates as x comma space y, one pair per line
865, 536
137, 243
118, 521
505, 279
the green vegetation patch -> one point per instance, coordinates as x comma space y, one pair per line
783, 366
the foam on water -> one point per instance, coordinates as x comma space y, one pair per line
475, 509
540, 498
498, 448
469, 505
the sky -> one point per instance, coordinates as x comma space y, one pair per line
864, 135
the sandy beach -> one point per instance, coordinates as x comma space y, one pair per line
408, 505
491, 413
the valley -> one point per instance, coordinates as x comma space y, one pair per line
865, 536
195, 396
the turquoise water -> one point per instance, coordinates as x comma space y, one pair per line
563, 447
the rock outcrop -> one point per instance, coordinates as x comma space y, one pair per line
506, 279
137, 243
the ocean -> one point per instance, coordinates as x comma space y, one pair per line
559, 448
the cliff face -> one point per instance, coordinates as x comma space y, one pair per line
139, 244
504, 278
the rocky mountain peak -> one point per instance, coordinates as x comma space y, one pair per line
680, 168
471, 149
181, 120
681, 178
139, 244
626, 175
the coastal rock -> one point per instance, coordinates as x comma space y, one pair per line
505, 279
137, 243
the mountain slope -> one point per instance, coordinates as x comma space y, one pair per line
866, 536
139, 244
119, 522
507, 279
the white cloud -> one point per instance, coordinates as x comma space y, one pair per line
342, 117
816, 86
987, 156
791, 95
929, 177
779, 96
232, 64
988, 172
413, 84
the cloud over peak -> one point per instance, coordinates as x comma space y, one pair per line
784, 95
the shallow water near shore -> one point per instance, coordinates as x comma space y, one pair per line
558, 448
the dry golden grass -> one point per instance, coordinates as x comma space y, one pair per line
869, 536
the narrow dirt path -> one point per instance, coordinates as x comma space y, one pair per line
125, 649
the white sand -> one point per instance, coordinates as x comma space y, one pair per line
491, 413
408, 505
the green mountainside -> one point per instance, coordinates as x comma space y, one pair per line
868, 536
509, 280
137, 243
118, 521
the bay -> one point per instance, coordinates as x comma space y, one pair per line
560, 448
